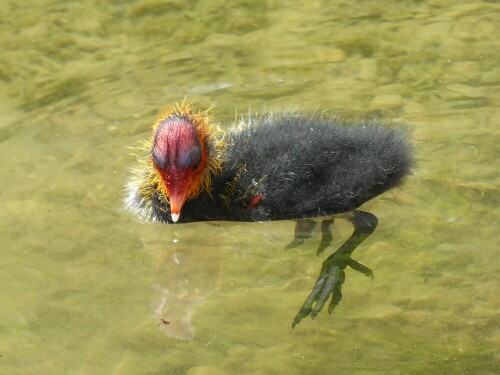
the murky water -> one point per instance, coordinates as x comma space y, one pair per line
84, 284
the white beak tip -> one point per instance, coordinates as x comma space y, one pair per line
175, 217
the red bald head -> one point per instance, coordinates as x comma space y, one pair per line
179, 157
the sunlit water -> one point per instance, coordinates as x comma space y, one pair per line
84, 284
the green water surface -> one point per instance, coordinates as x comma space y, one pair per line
83, 283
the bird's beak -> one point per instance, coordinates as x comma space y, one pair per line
177, 199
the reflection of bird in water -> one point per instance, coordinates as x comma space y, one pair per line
186, 275
272, 167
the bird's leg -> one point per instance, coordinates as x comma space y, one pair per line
326, 235
332, 274
303, 231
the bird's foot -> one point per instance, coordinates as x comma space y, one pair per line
329, 282
332, 274
326, 235
303, 231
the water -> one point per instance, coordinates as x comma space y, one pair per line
83, 283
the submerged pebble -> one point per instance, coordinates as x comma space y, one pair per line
493, 76
368, 69
330, 54
465, 90
206, 370
413, 107
387, 101
462, 71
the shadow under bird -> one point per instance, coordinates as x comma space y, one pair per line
272, 167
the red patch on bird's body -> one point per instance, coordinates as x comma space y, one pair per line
254, 201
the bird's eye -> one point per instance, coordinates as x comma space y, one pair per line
159, 159
191, 158
196, 161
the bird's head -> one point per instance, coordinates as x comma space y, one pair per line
184, 153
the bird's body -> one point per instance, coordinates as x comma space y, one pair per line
292, 166
271, 167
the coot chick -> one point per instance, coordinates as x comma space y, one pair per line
271, 167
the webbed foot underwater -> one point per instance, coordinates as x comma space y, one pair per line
272, 167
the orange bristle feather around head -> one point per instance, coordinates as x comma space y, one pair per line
210, 135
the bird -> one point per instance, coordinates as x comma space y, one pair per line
273, 166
